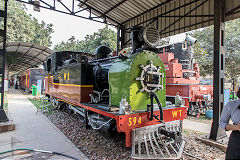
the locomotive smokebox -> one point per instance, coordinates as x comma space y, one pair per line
135, 77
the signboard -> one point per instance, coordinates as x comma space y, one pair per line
226, 96
39, 86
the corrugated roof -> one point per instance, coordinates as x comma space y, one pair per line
28, 55
169, 16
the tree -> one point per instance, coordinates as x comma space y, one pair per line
23, 27
71, 45
204, 49
104, 36
202, 57
164, 41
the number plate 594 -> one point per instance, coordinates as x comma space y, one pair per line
134, 121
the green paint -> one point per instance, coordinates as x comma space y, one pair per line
119, 83
122, 81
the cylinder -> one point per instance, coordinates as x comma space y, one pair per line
199, 96
203, 96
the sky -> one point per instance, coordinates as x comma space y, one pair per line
65, 26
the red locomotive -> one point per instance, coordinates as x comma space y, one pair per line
182, 77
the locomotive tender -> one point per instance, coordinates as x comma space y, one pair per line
121, 94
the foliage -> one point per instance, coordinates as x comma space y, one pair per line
71, 45
104, 36
204, 49
232, 48
23, 27
204, 59
164, 41
38, 104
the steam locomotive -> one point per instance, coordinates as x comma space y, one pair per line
120, 94
182, 77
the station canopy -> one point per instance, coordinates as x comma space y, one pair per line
26, 55
170, 17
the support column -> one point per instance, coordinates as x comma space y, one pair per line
219, 68
118, 40
3, 33
122, 37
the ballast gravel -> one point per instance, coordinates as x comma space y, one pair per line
98, 146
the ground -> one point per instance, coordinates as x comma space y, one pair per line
201, 119
34, 131
97, 146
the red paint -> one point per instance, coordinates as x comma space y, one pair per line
166, 57
189, 88
174, 71
78, 94
122, 121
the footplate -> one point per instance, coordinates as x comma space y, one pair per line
160, 141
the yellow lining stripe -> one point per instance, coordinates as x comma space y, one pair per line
73, 85
26, 80
49, 76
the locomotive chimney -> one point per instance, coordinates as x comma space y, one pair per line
136, 41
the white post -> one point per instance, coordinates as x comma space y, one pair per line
6, 78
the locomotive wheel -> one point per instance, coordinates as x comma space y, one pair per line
84, 120
68, 110
54, 101
193, 109
51, 100
81, 118
87, 125
61, 106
